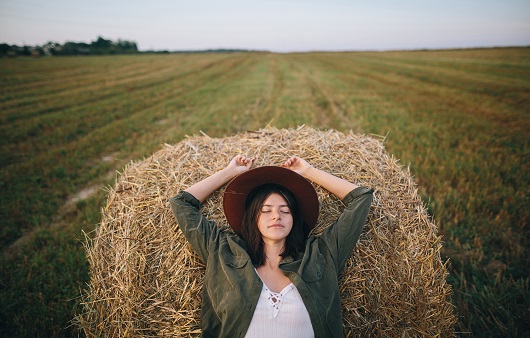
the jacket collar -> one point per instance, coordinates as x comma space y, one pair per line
237, 256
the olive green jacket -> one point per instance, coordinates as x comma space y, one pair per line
232, 287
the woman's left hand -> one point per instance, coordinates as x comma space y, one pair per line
337, 186
297, 164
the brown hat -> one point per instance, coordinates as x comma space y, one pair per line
237, 191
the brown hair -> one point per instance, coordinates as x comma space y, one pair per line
295, 241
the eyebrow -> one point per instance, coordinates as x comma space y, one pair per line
270, 205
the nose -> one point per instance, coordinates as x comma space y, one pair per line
276, 215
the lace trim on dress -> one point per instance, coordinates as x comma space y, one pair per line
275, 299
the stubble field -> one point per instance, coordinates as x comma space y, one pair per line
459, 118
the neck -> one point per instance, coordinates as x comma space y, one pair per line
272, 253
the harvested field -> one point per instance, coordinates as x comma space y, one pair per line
457, 118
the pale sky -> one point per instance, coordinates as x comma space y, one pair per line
278, 26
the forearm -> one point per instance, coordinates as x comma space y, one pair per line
337, 186
203, 189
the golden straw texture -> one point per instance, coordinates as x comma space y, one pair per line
145, 280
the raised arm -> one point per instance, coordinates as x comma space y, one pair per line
202, 189
337, 186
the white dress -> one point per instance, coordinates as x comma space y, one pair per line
280, 315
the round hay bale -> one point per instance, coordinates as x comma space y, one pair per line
145, 280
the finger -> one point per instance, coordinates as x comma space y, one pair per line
242, 160
287, 164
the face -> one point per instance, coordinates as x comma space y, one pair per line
275, 220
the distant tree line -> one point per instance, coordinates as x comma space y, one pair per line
202, 51
98, 47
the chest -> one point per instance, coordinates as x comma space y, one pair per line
273, 278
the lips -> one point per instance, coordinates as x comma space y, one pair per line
276, 226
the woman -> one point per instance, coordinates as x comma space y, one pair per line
270, 279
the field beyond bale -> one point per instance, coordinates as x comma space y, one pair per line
458, 118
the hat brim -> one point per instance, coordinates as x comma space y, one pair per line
237, 190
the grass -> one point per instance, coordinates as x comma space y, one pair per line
460, 118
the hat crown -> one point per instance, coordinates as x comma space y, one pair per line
239, 188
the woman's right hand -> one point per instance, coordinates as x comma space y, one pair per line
202, 189
239, 164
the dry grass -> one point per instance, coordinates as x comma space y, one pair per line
146, 281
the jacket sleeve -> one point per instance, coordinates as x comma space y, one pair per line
340, 238
196, 228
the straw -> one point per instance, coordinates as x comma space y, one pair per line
145, 280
